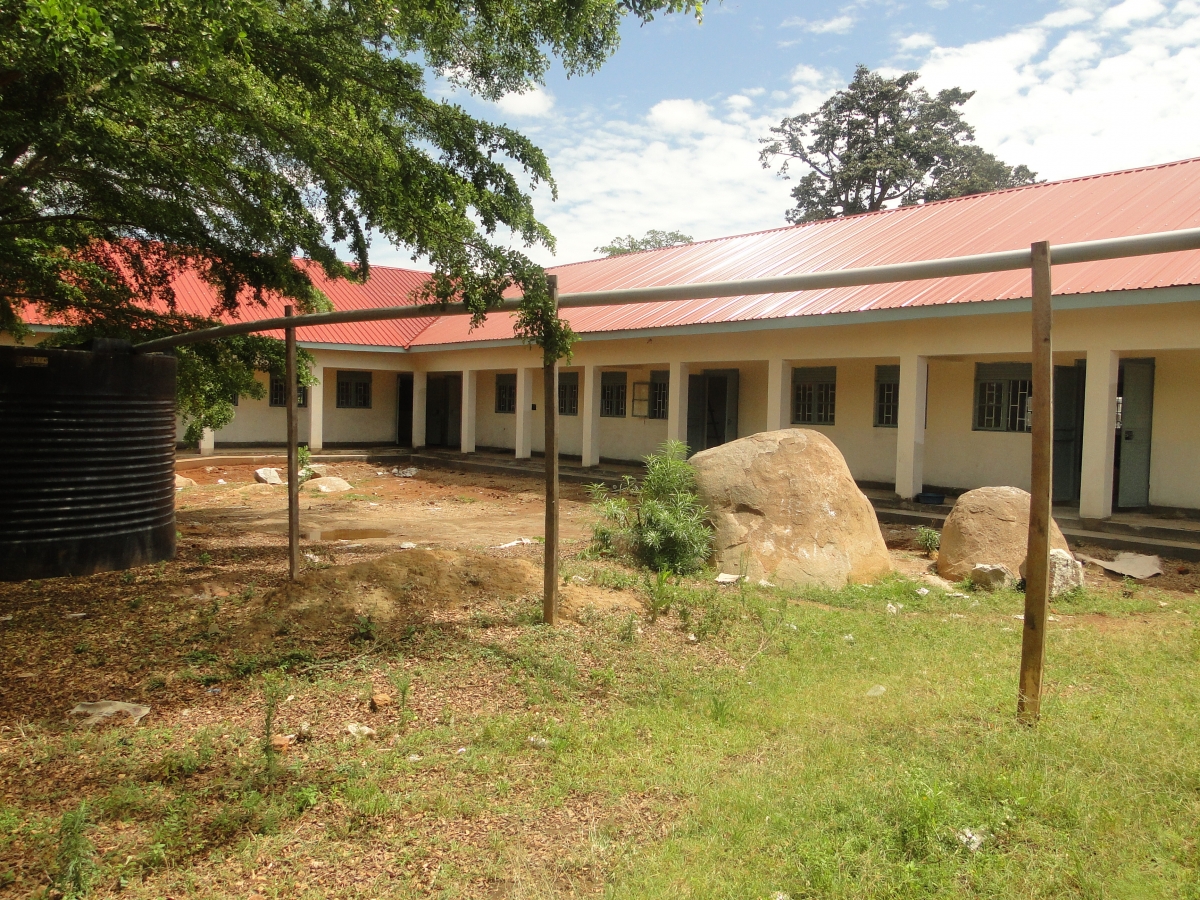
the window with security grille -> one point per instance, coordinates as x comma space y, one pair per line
814, 396
506, 393
278, 393
1002, 397
612, 394
887, 396
568, 393
354, 390
660, 384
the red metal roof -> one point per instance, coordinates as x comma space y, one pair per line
1118, 204
1137, 201
386, 287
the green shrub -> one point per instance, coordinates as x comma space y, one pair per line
928, 539
659, 522
75, 859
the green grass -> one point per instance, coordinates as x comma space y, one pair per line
756, 761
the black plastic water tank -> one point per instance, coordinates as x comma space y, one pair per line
87, 460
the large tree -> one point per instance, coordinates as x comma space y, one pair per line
651, 240
140, 137
881, 142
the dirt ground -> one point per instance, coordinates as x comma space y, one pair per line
184, 637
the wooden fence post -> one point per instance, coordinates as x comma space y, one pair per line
1037, 558
293, 462
550, 405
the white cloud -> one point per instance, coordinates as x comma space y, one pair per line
837, 25
1080, 94
913, 42
531, 104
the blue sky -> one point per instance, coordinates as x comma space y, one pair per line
666, 134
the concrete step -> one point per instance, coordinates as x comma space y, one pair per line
1161, 540
521, 468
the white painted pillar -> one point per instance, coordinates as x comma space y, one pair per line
779, 394
208, 442
470, 384
910, 431
1099, 425
677, 401
590, 401
420, 395
316, 410
524, 436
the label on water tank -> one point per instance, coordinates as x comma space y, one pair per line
41, 361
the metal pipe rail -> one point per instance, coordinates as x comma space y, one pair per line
977, 264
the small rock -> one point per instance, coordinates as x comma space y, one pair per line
281, 742
220, 481
360, 731
691, 638
726, 578
989, 577
579, 579
460, 751
74, 615
379, 701
922, 591
1066, 572
971, 838
878, 691
537, 741
181, 482
408, 545
305, 734
892, 609
405, 473
329, 484
414, 757
848, 638
267, 476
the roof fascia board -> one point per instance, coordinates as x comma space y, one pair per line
366, 348
1138, 297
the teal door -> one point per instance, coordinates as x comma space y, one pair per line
1136, 390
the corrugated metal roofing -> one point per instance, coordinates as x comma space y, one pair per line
1118, 204
1138, 201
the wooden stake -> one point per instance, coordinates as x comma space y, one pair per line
550, 404
1037, 558
293, 459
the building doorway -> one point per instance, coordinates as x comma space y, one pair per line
712, 411
1135, 413
443, 410
404, 409
1068, 431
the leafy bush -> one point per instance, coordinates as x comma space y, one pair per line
928, 539
659, 522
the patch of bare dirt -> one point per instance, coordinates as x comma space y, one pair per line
395, 589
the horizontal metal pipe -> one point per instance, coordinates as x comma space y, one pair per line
977, 264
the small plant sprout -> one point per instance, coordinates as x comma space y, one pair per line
928, 539
204, 558
75, 864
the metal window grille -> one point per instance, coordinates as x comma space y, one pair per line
887, 396
568, 393
814, 396
1002, 397
354, 390
612, 395
659, 391
278, 393
506, 393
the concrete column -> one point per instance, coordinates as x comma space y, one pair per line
677, 401
208, 442
590, 401
779, 394
1099, 424
524, 436
910, 431
470, 383
316, 410
420, 393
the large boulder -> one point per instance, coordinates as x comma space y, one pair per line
784, 508
330, 484
988, 526
267, 476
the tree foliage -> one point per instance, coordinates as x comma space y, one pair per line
883, 141
652, 240
659, 522
141, 137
